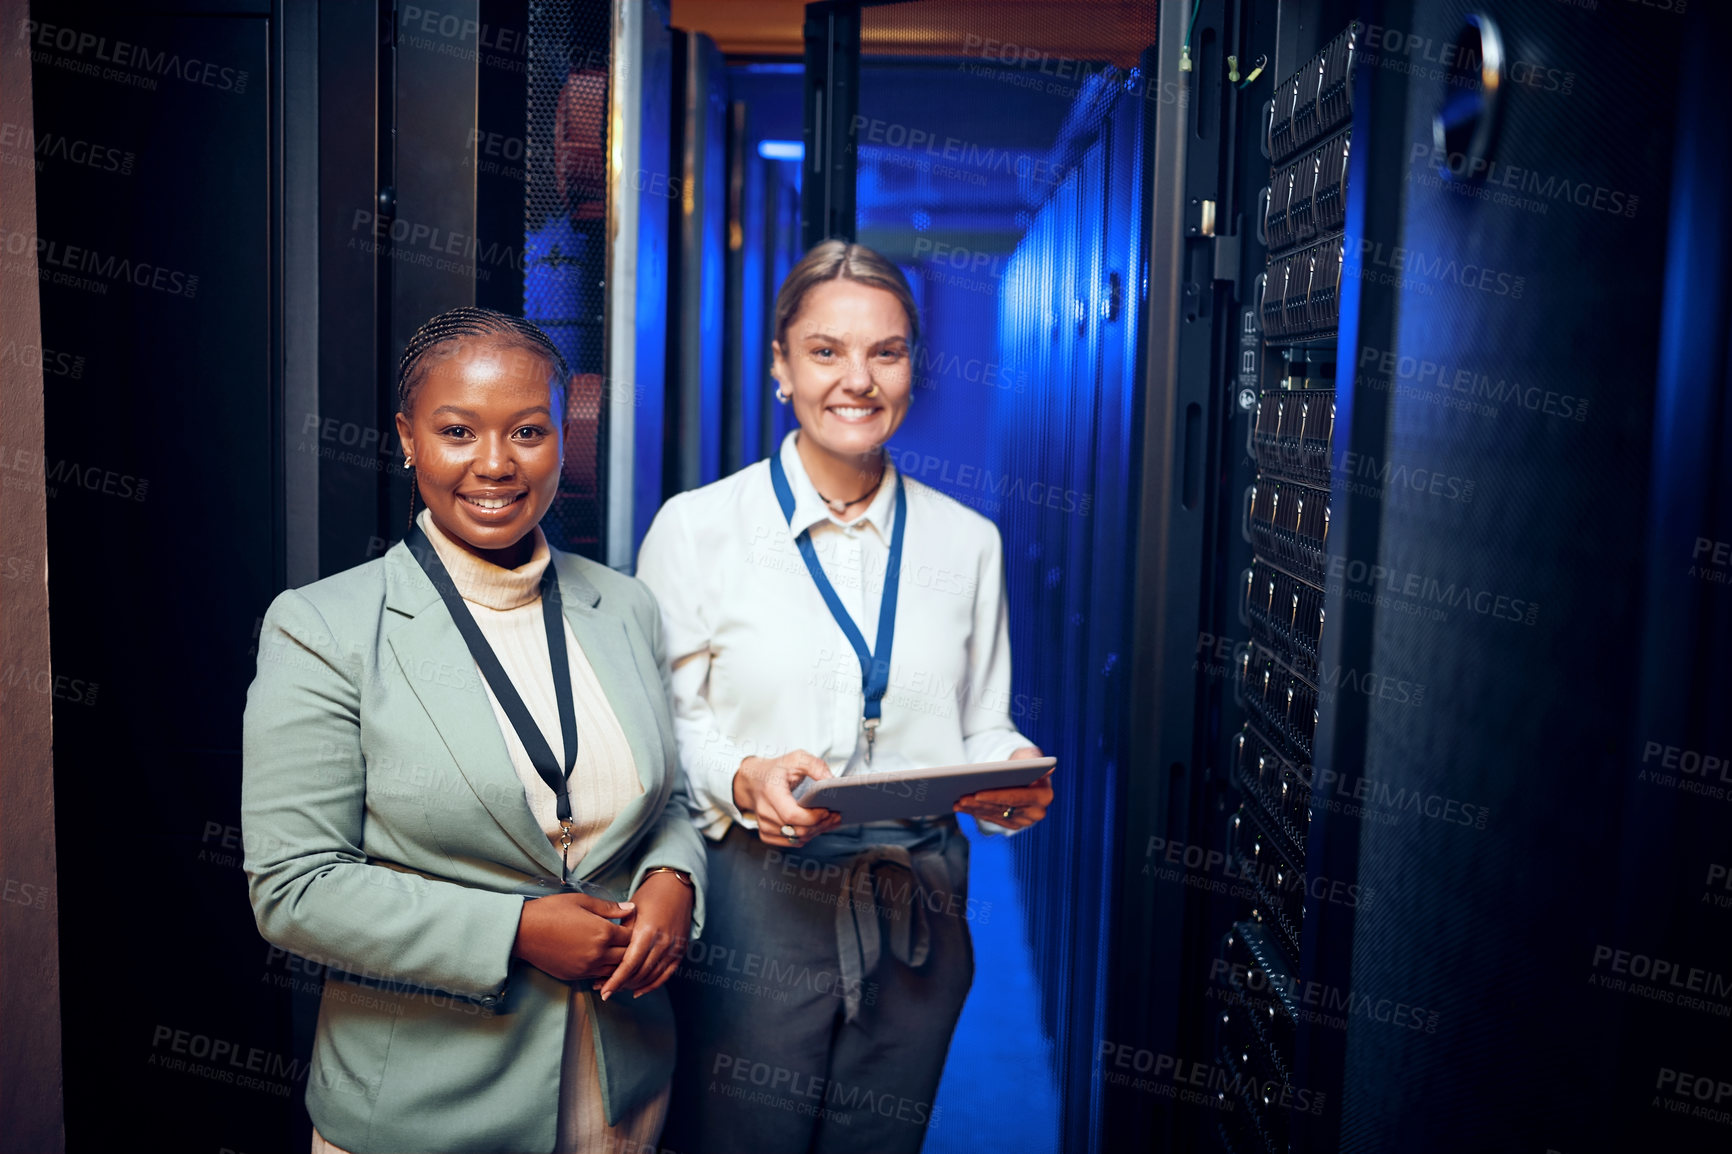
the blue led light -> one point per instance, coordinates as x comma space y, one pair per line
782, 149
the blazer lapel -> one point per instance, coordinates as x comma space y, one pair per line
614, 655
442, 674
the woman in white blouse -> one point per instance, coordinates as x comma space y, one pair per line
816, 1015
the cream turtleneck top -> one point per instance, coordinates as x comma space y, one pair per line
506, 605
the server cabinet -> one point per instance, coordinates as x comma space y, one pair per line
1464, 656
1285, 672
699, 219
762, 213
640, 185
163, 448
546, 166
1535, 277
1161, 1086
1067, 321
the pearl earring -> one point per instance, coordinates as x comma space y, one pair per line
408, 463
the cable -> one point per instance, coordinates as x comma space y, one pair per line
1185, 48
1256, 70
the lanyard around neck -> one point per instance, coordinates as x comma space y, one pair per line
874, 662
558, 778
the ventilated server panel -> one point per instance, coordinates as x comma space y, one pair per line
565, 240
1286, 515
1309, 140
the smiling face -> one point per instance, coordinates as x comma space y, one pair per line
486, 445
845, 359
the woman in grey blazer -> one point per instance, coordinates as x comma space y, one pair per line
458, 760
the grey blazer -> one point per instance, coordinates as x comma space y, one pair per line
388, 836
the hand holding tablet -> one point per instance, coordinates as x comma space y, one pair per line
1011, 809
762, 791
902, 794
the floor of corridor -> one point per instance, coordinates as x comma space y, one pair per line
998, 1092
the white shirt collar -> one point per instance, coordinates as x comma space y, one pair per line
810, 509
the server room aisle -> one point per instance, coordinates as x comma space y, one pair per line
999, 1091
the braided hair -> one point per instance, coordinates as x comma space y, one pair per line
445, 335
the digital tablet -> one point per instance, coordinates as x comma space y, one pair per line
895, 795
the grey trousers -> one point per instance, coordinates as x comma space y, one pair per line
815, 1013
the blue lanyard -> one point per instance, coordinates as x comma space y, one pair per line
874, 662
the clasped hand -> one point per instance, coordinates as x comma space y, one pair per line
573, 936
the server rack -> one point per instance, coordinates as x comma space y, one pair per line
1536, 722
1280, 675
1083, 245
698, 219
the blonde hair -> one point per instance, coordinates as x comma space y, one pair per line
841, 260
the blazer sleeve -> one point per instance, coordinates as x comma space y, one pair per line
675, 840
303, 790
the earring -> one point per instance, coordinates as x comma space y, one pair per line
784, 398
408, 463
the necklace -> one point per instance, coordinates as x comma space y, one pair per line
838, 506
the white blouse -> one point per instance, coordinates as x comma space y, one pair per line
761, 668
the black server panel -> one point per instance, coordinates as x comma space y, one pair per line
1480, 438
1278, 673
